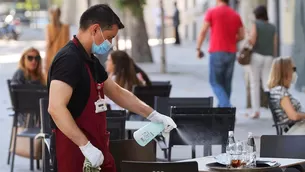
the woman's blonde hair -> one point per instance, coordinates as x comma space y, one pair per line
280, 71
38, 71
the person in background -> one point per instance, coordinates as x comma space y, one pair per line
142, 76
120, 68
57, 36
263, 39
222, 48
158, 20
29, 70
176, 23
285, 106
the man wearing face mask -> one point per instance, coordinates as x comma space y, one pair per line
77, 83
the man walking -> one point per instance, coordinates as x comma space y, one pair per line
176, 22
227, 31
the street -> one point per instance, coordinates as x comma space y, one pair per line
188, 75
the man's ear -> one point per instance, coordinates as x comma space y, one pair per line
94, 28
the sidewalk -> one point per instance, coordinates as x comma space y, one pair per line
189, 77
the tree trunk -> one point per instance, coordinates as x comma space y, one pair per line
140, 50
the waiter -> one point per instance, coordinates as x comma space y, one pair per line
77, 83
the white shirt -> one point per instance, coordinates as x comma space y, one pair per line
158, 21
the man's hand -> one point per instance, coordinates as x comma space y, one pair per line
168, 123
200, 54
95, 156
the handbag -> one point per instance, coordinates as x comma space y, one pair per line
244, 57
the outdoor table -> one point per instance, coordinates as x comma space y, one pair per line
285, 162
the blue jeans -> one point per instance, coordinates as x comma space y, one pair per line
221, 72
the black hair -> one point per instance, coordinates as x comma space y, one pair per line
100, 14
260, 12
225, 1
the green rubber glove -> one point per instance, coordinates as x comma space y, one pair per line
87, 167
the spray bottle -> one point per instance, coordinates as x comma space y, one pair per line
147, 133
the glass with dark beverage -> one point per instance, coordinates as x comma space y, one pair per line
237, 156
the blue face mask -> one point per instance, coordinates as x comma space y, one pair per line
103, 48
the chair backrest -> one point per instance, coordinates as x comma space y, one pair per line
288, 146
129, 166
147, 93
279, 130
45, 116
163, 104
153, 83
25, 98
130, 150
9, 89
202, 126
275, 119
116, 124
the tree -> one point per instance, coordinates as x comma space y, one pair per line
140, 50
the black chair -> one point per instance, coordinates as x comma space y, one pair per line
130, 150
116, 124
48, 164
154, 83
163, 105
25, 100
289, 146
130, 166
148, 93
201, 126
280, 127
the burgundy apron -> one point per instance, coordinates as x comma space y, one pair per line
93, 125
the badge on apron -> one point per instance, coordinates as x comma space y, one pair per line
100, 104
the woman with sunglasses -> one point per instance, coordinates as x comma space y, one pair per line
29, 70
285, 106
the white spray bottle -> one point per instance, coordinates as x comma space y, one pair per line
147, 133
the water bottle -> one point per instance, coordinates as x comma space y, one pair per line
230, 146
230, 142
252, 151
147, 133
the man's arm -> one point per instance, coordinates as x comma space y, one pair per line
202, 34
59, 96
275, 45
126, 99
241, 34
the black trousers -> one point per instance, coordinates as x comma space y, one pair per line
177, 36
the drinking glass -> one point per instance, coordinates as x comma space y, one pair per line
236, 156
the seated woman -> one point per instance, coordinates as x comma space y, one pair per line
286, 108
120, 68
29, 70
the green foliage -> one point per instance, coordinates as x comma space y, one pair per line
135, 6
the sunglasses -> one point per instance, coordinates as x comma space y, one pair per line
294, 69
31, 58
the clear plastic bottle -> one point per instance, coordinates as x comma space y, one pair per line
252, 150
230, 146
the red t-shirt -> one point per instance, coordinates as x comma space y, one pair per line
224, 23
